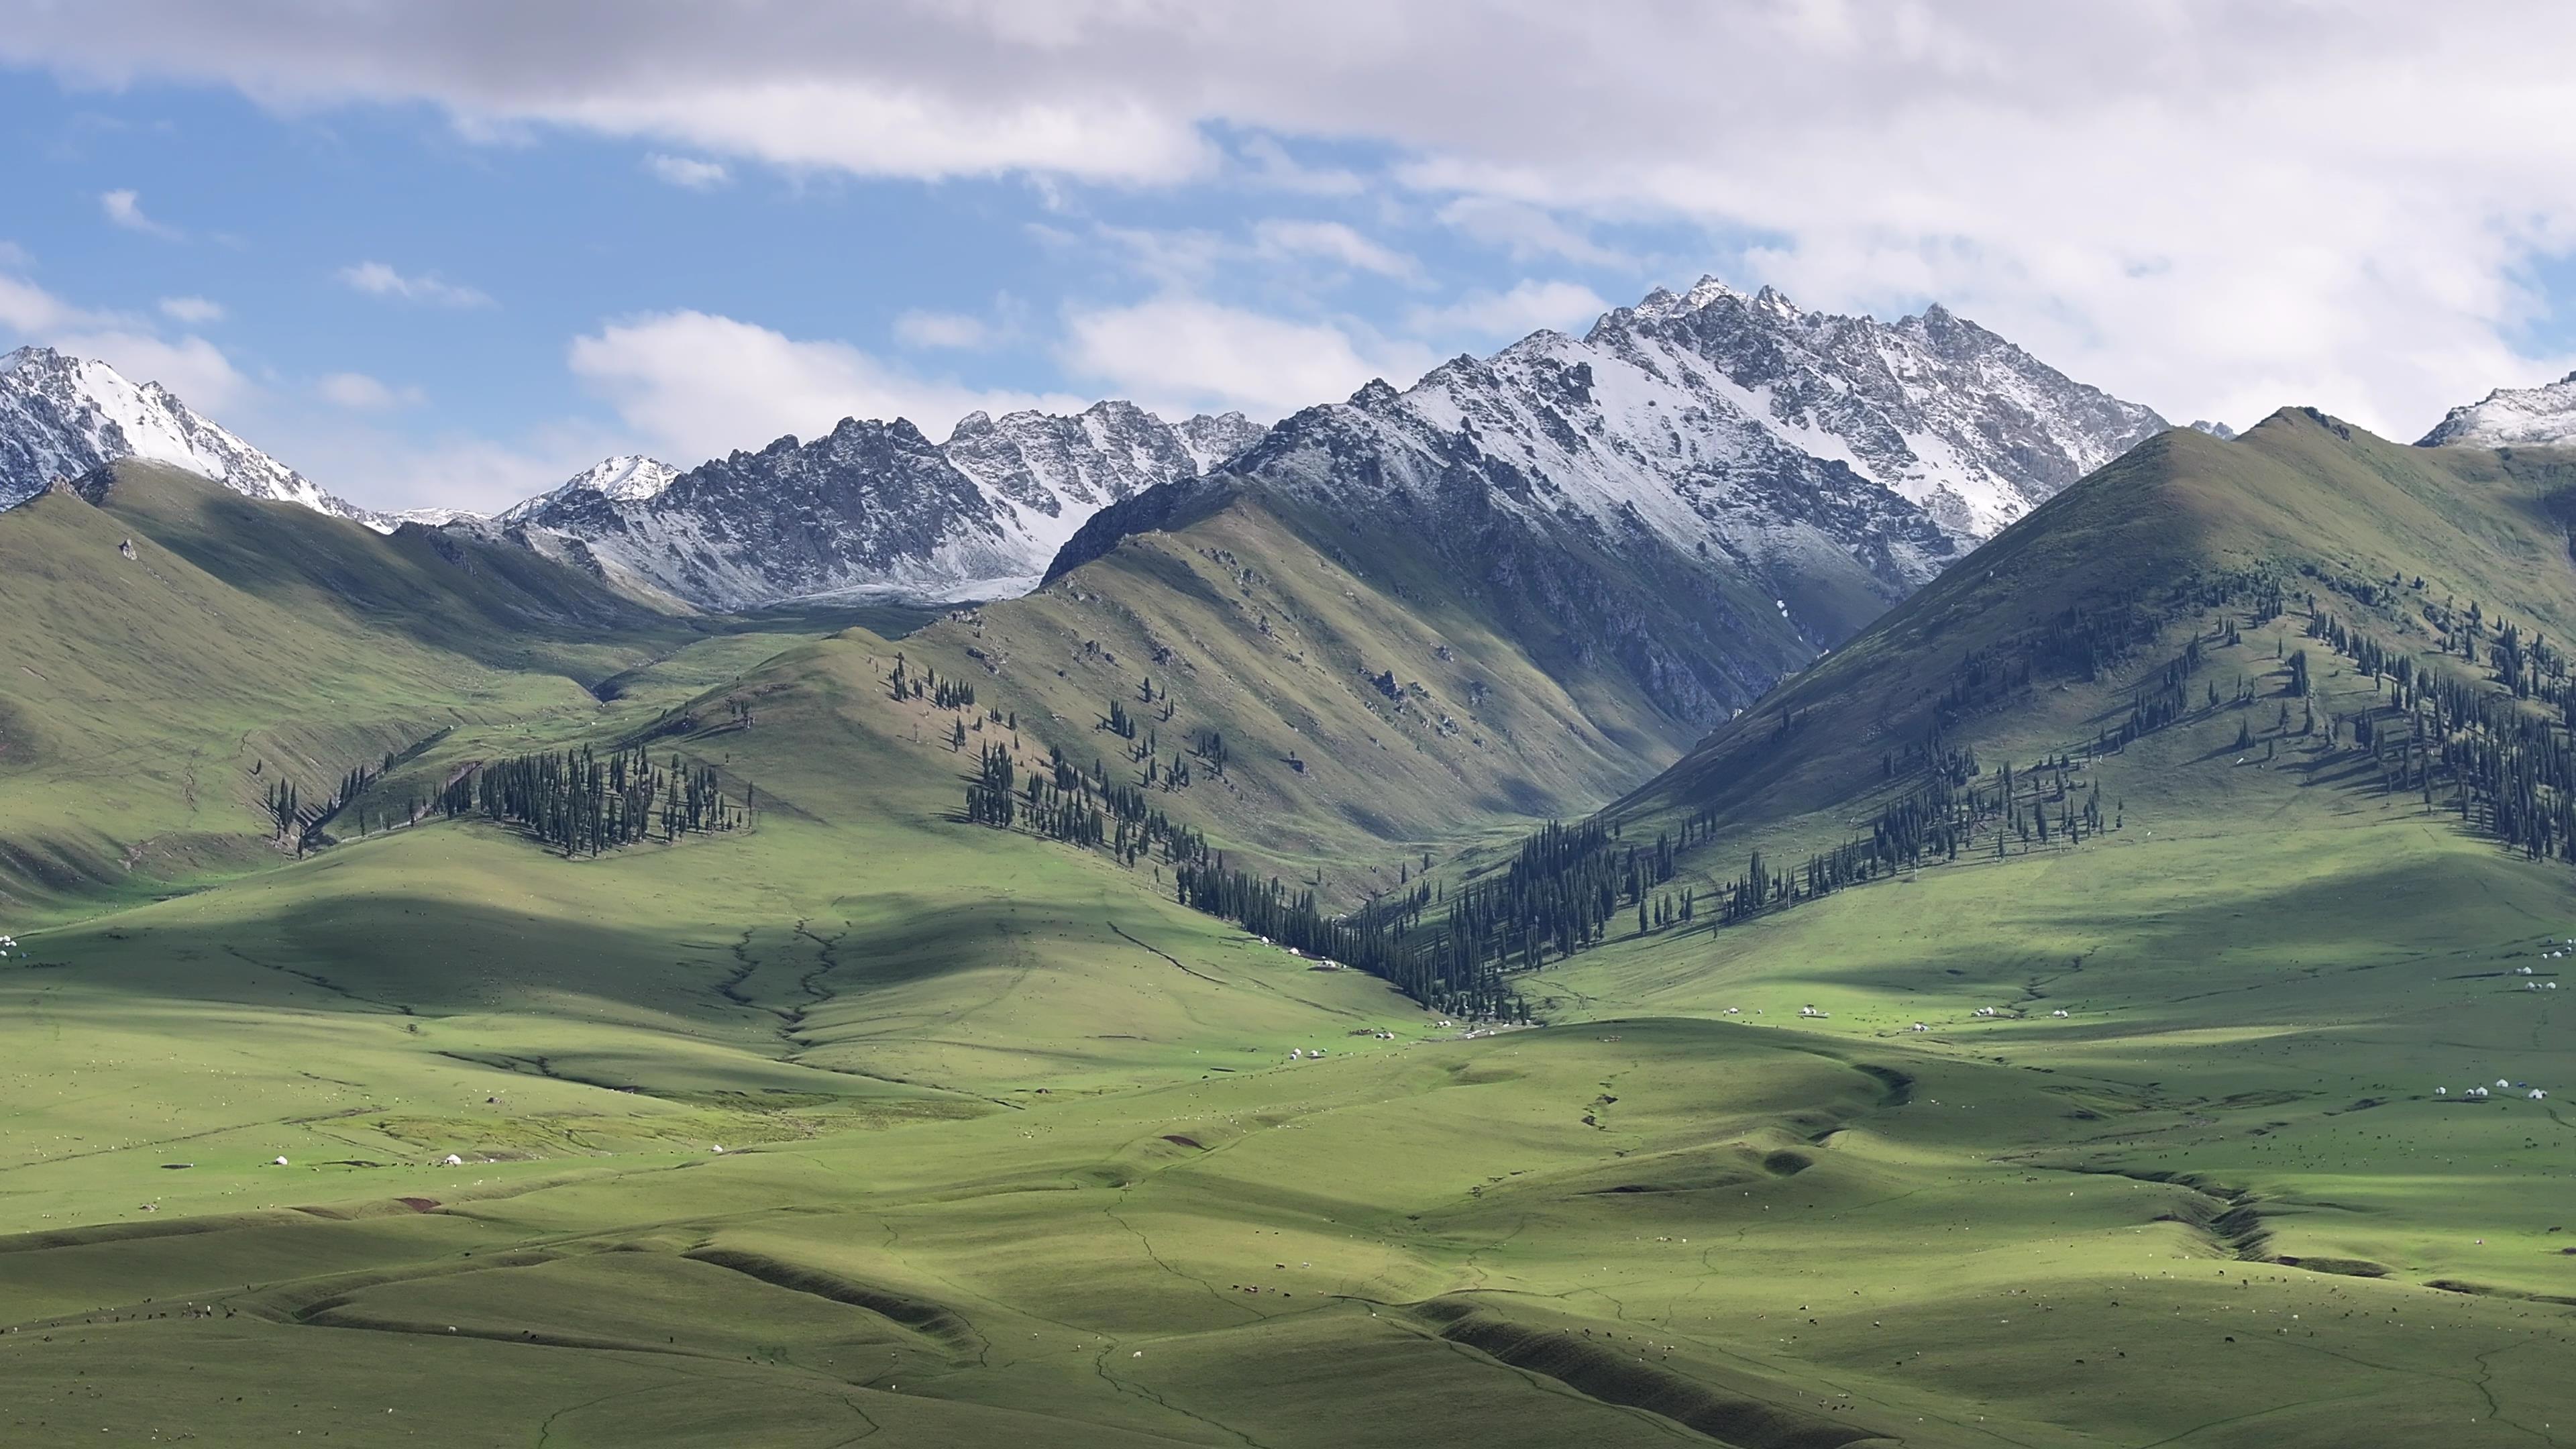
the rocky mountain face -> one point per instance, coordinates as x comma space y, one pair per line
1933, 407
626, 478
61, 417
1711, 488
870, 509
2511, 417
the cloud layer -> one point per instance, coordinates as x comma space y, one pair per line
2214, 206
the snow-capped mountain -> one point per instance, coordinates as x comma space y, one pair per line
2511, 417
62, 416
1729, 425
869, 509
1712, 487
1732, 427
626, 478
1951, 416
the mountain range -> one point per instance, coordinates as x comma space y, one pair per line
62, 416
2114, 929
1735, 428
870, 509
2525, 417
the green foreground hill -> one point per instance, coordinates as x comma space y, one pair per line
1017, 1150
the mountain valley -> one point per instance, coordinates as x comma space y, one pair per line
1751, 878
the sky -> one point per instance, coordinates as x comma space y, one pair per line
448, 255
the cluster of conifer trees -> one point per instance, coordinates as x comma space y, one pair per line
1084, 807
2508, 769
581, 802
943, 694
1562, 892
1065, 802
2038, 809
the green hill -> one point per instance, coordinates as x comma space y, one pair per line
176, 652
1015, 1149
2043, 641
1333, 701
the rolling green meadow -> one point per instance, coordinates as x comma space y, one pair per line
860, 1123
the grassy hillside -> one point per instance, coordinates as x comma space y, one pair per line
1016, 1151
152, 701
500, 606
1369, 707
2145, 549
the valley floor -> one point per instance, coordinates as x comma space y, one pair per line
1030, 1162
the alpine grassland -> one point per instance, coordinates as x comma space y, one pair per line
2110, 1002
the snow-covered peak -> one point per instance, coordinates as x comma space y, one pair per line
626, 477
1660, 303
2511, 417
1949, 415
870, 507
62, 416
1213, 439
1735, 430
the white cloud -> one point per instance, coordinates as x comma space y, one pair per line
697, 386
942, 329
125, 209
1333, 242
360, 393
360, 458
1177, 354
2211, 205
688, 172
1266, 163
193, 311
1526, 232
1527, 307
195, 369
192, 367
377, 279
31, 311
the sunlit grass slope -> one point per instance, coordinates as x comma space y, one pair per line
1015, 1151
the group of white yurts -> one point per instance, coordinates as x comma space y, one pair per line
2557, 951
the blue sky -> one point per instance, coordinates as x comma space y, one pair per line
376, 280
450, 254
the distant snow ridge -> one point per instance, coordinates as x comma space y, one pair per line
626, 478
2526, 417
871, 509
61, 417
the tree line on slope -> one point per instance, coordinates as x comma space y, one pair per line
580, 802
1087, 808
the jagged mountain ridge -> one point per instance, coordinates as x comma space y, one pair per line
1954, 418
2511, 417
1731, 426
63, 417
1709, 488
626, 478
871, 508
